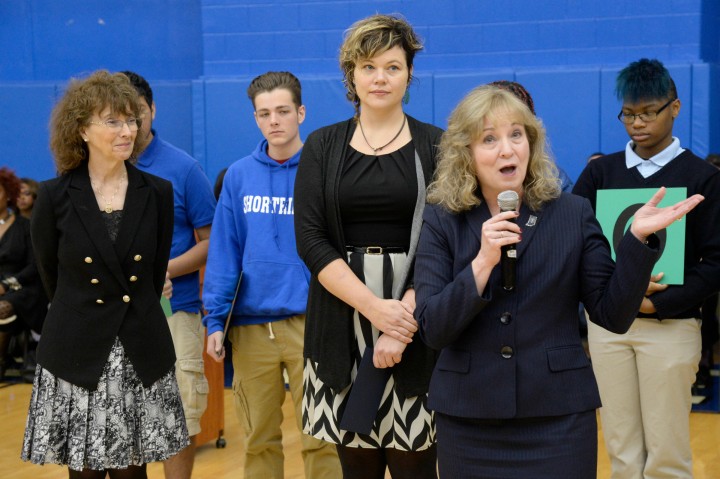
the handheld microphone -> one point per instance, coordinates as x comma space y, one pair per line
508, 201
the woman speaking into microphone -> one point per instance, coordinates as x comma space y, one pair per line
513, 392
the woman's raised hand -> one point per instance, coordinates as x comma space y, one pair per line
649, 218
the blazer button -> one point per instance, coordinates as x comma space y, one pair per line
137, 257
506, 318
506, 352
133, 278
88, 259
99, 301
94, 281
126, 298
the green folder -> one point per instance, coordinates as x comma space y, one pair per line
615, 211
165, 303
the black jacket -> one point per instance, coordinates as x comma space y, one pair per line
99, 290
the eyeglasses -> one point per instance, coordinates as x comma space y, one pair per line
629, 118
117, 125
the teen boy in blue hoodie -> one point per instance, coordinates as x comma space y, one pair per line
253, 236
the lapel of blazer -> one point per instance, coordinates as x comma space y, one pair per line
476, 217
136, 200
528, 220
83, 200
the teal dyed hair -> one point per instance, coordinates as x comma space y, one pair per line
644, 80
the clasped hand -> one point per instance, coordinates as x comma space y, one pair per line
388, 350
393, 317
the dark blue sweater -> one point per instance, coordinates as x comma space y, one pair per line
702, 241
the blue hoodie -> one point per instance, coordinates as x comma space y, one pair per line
253, 232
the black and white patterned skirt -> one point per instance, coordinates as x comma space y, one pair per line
119, 424
402, 423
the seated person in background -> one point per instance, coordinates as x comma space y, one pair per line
21, 298
26, 198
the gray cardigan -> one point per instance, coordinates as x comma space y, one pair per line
329, 339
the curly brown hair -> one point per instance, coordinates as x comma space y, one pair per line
82, 99
11, 184
373, 36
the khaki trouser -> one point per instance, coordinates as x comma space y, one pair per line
188, 336
645, 376
259, 354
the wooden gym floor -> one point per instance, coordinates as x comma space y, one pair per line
215, 463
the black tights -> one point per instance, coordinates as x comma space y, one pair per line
132, 472
360, 463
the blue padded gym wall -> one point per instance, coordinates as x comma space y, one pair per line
199, 56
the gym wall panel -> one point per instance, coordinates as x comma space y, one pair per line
567, 101
24, 139
173, 118
450, 88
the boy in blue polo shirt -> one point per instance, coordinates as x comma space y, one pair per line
194, 210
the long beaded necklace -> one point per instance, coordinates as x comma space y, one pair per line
375, 150
108, 204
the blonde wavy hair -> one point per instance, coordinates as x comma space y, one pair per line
373, 36
82, 99
455, 186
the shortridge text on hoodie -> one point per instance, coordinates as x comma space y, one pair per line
279, 205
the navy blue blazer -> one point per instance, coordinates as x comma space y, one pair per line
100, 290
519, 354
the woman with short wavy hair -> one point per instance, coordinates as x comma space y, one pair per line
359, 196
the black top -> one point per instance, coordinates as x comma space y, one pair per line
112, 223
377, 197
17, 260
702, 232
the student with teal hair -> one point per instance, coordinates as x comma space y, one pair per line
646, 374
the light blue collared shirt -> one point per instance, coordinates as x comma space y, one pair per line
652, 165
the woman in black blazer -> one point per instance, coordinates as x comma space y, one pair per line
105, 398
513, 392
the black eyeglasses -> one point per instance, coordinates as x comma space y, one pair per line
629, 118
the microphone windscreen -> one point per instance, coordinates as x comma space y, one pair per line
508, 200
